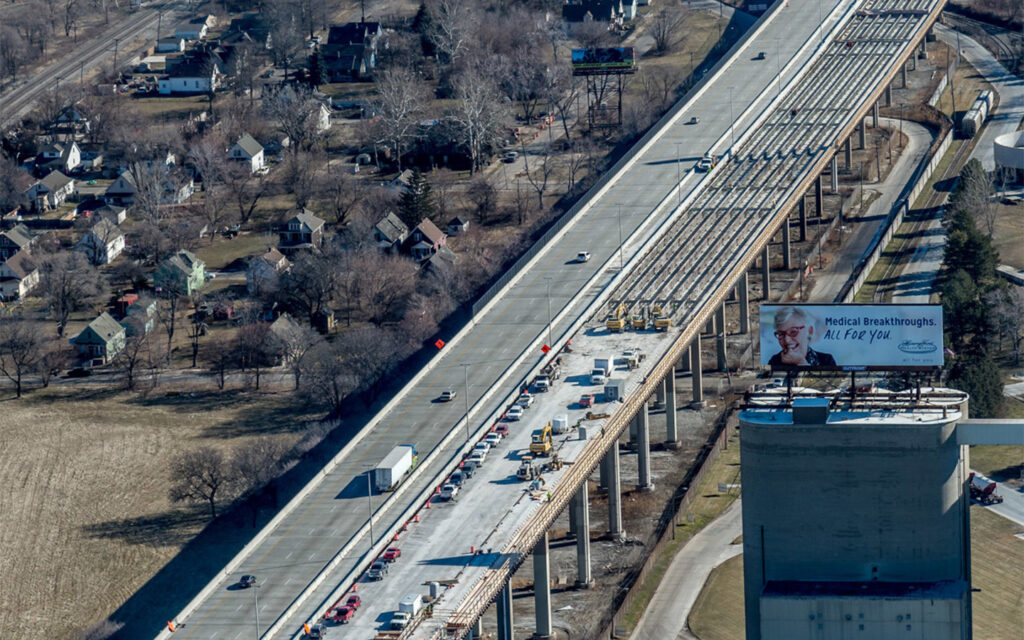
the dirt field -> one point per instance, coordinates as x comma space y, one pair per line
86, 519
997, 562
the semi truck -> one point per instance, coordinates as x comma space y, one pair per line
983, 489
394, 467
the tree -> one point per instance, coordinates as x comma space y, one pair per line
310, 285
543, 168
417, 201
338, 195
1008, 305
297, 113
137, 353
666, 28
68, 283
199, 475
382, 284
22, 346
220, 356
327, 379
256, 464
483, 197
317, 69
402, 97
295, 347
256, 348
478, 112
370, 354
449, 28
245, 189
13, 184
973, 195
978, 375
197, 326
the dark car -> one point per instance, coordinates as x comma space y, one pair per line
391, 554
79, 372
378, 570
246, 581
343, 614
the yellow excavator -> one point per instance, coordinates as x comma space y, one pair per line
661, 321
617, 319
540, 441
639, 321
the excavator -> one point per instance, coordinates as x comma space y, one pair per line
617, 319
540, 441
661, 321
639, 321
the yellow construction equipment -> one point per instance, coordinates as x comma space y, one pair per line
639, 322
661, 321
540, 441
617, 319
555, 463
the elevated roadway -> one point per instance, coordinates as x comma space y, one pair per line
320, 541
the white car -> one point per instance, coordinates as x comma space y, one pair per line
482, 446
493, 439
447, 395
477, 458
705, 164
515, 413
583, 256
449, 491
525, 400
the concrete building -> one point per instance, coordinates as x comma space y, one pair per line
1008, 150
855, 520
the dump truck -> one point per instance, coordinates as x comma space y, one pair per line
553, 369
393, 467
540, 441
526, 471
983, 489
616, 319
603, 368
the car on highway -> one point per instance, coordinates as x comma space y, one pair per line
482, 446
509, 156
318, 630
760, 55
447, 395
391, 554
399, 620
342, 615
705, 164
693, 120
477, 458
492, 439
246, 581
378, 570
468, 468
449, 491
586, 400
457, 477
515, 413
354, 601
501, 429
583, 256
525, 400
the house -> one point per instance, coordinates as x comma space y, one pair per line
171, 44
124, 303
18, 275
324, 320
14, 240
458, 225
192, 30
102, 243
51, 191
141, 317
355, 33
288, 332
264, 271
101, 341
196, 73
348, 63
390, 232
72, 119
323, 118
440, 263
173, 189
60, 157
223, 311
425, 240
181, 272
91, 157
609, 11
111, 212
629, 9
251, 27
303, 230
275, 142
247, 150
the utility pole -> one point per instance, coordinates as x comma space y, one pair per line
369, 503
115, 58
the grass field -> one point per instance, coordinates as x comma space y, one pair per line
1008, 238
83, 492
998, 571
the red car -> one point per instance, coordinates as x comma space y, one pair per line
501, 429
353, 602
587, 400
391, 554
343, 614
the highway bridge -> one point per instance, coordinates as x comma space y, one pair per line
659, 232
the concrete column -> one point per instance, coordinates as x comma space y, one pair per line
615, 529
542, 587
683, 366
743, 292
848, 154
766, 278
802, 210
504, 606
476, 630
603, 481
643, 465
786, 253
709, 328
574, 523
634, 430
903, 74
874, 115
698, 374
835, 174
720, 338
819, 199
860, 135
671, 431
581, 507
659, 396
888, 95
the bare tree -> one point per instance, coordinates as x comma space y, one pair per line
592, 34
200, 475
1009, 316
667, 28
55, 357
327, 379
402, 96
339, 194
297, 113
22, 346
382, 284
256, 348
197, 325
483, 197
138, 352
450, 27
540, 174
245, 189
13, 184
478, 113
310, 285
220, 356
299, 174
68, 283
256, 464
371, 354
296, 346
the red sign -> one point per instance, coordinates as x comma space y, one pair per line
545, 349
439, 343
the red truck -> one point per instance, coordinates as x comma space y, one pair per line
983, 489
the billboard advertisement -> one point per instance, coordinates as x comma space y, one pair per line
851, 337
596, 61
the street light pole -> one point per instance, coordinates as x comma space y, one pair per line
620, 237
547, 280
778, 64
465, 375
679, 170
369, 503
732, 126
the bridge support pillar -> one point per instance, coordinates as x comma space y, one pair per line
903, 74
476, 630
542, 588
603, 479
720, 338
683, 366
659, 396
634, 431
698, 375
766, 277
888, 95
802, 210
574, 523
924, 49
860, 135
835, 174
743, 293
786, 249
819, 199
874, 115
615, 529
643, 464
581, 507
671, 431
848, 154
504, 606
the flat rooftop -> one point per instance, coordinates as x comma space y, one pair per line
942, 589
839, 406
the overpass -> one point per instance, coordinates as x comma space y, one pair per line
320, 542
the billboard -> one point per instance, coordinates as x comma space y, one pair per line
598, 61
851, 337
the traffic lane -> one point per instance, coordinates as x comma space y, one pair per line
1012, 506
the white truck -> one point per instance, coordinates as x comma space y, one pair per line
983, 489
603, 368
393, 467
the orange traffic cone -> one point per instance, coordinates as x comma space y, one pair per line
395, 539
170, 625
428, 504
355, 587
416, 517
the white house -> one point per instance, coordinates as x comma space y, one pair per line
188, 77
174, 188
51, 191
61, 157
246, 149
264, 271
323, 118
195, 30
170, 45
18, 275
102, 243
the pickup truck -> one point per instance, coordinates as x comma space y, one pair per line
400, 620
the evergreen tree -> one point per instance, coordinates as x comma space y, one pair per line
417, 201
317, 69
978, 375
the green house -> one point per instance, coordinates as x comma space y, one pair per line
181, 272
101, 341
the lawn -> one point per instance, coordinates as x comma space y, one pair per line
84, 490
718, 612
172, 107
1008, 238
